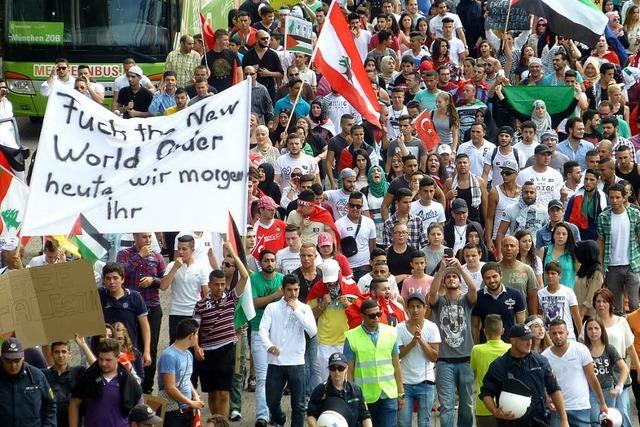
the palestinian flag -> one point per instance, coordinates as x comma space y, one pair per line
557, 98
580, 20
13, 201
297, 35
245, 310
91, 244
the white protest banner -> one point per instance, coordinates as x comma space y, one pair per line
179, 172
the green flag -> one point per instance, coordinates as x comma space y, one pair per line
521, 98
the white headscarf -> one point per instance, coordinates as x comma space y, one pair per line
542, 123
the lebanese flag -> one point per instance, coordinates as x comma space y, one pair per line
13, 202
207, 33
338, 59
426, 131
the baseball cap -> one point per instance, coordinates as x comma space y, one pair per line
555, 204
144, 414
418, 296
541, 149
325, 239
337, 359
548, 134
136, 70
451, 270
521, 331
459, 205
9, 244
425, 66
330, 270
506, 129
12, 349
444, 149
347, 173
511, 165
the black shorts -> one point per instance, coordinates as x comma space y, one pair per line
216, 371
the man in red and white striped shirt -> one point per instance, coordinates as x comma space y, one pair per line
216, 348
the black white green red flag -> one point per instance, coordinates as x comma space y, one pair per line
579, 20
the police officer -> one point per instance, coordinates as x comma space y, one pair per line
533, 371
339, 395
143, 416
26, 400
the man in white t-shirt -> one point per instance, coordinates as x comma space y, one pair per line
419, 341
529, 143
572, 365
207, 248
425, 208
288, 258
363, 230
188, 280
457, 49
338, 199
557, 301
61, 73
476, 148
52, 253
360, 36
295, 158
379, 270
336, 106
471, 255
548, 181
435, 24
494, 159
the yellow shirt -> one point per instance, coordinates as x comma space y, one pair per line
481, 357
332, 323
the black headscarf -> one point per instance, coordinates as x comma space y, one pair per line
587, 253
268, 186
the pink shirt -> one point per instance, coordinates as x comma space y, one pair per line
412, 285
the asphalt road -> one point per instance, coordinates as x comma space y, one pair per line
29, 134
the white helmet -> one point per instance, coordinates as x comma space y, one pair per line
331, 419
514, 403
613, 418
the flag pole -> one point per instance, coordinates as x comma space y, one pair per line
506, 24
293, 108
204, 42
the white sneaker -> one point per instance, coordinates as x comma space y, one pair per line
235, 415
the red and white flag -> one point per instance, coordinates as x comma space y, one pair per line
338, 59
426, 131
13, 201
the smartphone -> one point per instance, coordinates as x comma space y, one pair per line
448, 253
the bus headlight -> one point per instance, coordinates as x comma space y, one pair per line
22, 87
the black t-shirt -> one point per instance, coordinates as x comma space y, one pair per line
191, 90
141, 99
269, 61
222, 66
399, 263
305, 285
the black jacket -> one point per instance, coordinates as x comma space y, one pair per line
349, 402
89, 386
26, 400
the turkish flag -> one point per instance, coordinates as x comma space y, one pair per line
426, 131
207, 33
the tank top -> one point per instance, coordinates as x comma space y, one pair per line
474, 213
503, 202
633, 177
443, 129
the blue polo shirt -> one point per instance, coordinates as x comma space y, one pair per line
506, 304
126, 309
579, 155
302, 107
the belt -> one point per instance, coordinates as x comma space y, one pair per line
180, 411
454, 359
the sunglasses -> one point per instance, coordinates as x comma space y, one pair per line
228, 264
354, 206
506, 173
334, 368
294, 75
296, 175
61, 68
373, 316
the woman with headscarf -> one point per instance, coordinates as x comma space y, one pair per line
387, 68
539, 114
321, 124
616, 28
264, 147
484, 115
374, 192
591, 71
589, 277
267, 184
538, 31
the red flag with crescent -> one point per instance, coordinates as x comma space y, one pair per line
426, 131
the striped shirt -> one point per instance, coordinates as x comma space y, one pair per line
604, 232
216, 320
183, 64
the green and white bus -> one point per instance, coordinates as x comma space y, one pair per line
98, 33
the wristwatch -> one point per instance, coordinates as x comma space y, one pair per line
400, 395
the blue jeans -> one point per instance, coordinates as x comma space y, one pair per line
259, 354
424, 394
384, 412
612, 402
311, 366
452, 378
577, 418
277, 377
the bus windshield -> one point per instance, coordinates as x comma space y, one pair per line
92, 29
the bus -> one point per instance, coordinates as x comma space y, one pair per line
98, 33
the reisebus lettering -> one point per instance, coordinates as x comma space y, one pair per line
97, 70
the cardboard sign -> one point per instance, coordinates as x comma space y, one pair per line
497, 16
50, 303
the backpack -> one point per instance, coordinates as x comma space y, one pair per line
495, 153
